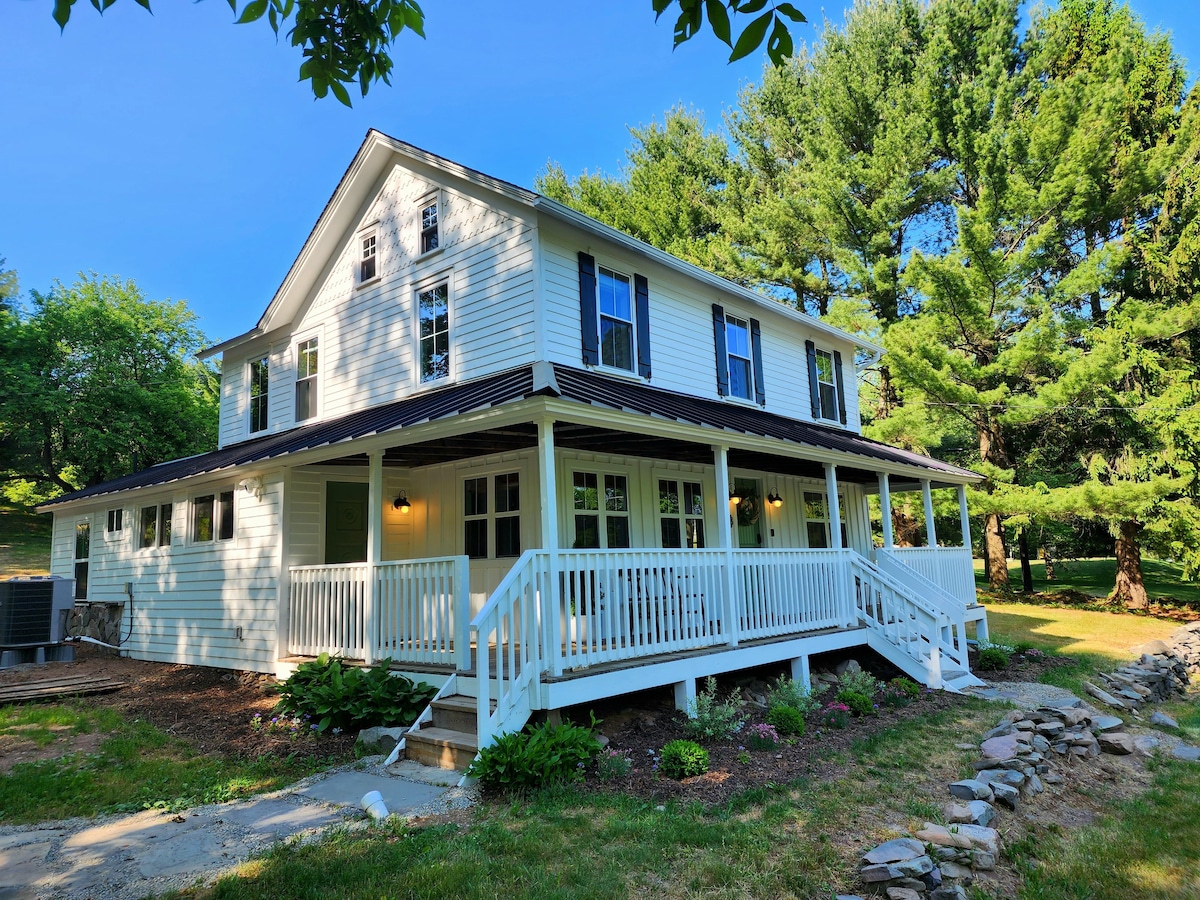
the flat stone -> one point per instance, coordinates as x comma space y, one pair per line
1051, 730
1116, 742
1002, 747
941, 836
1034, 784
900, 893
1104, 696
1160, 718
1040, 743
1071, 717
955, 870
957, 812
1186, 752
24, 866
970, 789
1006, 794
1025, 725
896, 850
949, 892
1009, 777
876, 873
1151, 647
1052, 778
914, 868
1002, 730
986, 839
981, 859
982, 812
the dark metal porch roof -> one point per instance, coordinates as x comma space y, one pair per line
571, 384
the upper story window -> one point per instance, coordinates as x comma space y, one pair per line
116, 521
614, 321
368, 256
430, 239
212, 517
434, 309
155, 526
825, 383
307, 367
738, 345
260, 378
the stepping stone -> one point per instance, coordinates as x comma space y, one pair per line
1146, 743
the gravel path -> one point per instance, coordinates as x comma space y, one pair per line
1026, 694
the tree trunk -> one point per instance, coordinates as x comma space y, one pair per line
1130, 589
997, 560
905, 530
1026, 569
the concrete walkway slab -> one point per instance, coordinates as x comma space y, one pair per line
347, 788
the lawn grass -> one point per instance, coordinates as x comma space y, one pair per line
133, 764
798, 840
1097, 576
24, 541
1094, 640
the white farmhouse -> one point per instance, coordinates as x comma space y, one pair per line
528, 458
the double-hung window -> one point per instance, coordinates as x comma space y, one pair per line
212, 517
155, 528
601, 510
307, 365
825, 383
616, 319
430, 237
260, 378
83, 550
433, 306
738, 344
737, 347
680, 513
368, 256
503, 517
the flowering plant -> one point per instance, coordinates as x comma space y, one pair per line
612, 764
761, 736
835, 715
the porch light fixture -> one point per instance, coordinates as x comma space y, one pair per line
401, 502
734, 497
774, 499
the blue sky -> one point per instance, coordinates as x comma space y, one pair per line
180, 151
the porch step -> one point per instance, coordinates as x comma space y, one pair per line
457, 713
440, 747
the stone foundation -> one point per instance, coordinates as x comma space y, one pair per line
99, 621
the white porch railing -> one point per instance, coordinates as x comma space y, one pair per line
950, 568
410, 610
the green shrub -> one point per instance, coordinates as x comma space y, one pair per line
683, 759
332, 696
859, 703
794, 695
613, 764
900, 692
861, 682
786, 720
992, 658
541, 754
710, 719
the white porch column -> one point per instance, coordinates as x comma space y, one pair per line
283, 584
964, 517
835, 506
551, 604
885, 506
729, 613
930, 532
374, 555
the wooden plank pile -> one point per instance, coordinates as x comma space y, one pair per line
62, 686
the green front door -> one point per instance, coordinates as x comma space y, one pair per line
345, 522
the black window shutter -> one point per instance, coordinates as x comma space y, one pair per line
719, 341
837, 375
587, 309
814, 389
641, 294
760, 390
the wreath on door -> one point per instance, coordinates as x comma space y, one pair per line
749, 510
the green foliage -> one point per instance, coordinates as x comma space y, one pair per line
860, 681
793, 694
538, 755
683, 759
786, 719
612, 764
859, 703
710, 719
900, 691
992, 659
333, 696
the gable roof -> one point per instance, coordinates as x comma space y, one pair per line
562, 382
375, 156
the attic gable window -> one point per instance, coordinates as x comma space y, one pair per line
307, 360
429, 227
368, 246
260, 377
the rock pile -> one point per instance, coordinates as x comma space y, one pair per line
1185, 642
939, 862
1159, 674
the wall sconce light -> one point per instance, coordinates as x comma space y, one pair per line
401, 502
774, 499
734, 497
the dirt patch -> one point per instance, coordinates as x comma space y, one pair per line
209, 709
15, 748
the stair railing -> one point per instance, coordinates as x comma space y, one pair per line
927, 589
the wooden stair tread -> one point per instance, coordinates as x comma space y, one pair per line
460, 703
443, 737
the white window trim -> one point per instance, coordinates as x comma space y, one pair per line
258, 357
322, 360
114, 536
438, 197
602, 366
190, 522
446, 277
729, 354
833, 417
367, 231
